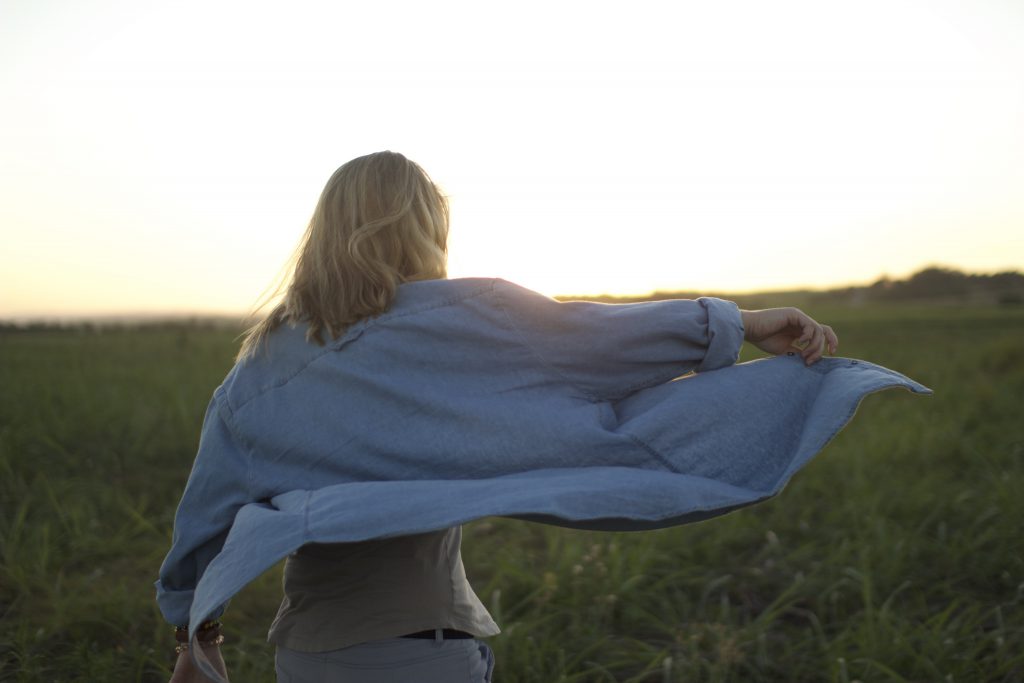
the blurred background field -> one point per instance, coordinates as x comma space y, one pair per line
896, 555
162, 159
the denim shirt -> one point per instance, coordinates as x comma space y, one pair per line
476, 397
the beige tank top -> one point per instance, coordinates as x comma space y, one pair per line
337, 595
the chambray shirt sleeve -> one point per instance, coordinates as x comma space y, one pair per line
217, 488
611, 350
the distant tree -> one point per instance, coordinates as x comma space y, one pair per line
935, 282
1005, 281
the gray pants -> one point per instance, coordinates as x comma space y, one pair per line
392, 660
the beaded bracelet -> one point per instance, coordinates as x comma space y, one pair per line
183, 647
207, 634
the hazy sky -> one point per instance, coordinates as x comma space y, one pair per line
167, 156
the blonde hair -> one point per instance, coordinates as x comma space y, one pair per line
380, 221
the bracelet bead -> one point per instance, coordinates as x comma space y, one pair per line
183, 647
205, 626
208, 633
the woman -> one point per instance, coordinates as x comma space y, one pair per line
380, 406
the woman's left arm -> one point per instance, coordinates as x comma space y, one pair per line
610, 350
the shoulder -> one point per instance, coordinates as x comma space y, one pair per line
285, 353
413, 297
288, 354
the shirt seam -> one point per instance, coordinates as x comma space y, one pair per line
226, 414
369, 323
357, 330
653, 452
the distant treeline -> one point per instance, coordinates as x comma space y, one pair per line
930, 285
128, 324
944, 283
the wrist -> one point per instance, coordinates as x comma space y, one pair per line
207, 635
746, 318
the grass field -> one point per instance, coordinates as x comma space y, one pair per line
897, 555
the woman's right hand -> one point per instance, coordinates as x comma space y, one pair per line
779, 330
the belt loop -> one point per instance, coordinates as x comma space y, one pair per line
438, 635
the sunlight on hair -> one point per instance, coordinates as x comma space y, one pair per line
380, 222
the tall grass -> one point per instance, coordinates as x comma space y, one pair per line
895, 556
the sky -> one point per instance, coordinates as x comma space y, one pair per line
166, 157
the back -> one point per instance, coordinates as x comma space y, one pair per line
459, 379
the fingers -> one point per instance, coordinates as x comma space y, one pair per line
815, 339
831, 339
778, 330
808, 330
815, 344
822, 339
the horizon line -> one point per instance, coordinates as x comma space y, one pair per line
157, 316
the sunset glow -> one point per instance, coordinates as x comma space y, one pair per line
165, 158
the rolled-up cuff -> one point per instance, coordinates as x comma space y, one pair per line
725, 333
176, 605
